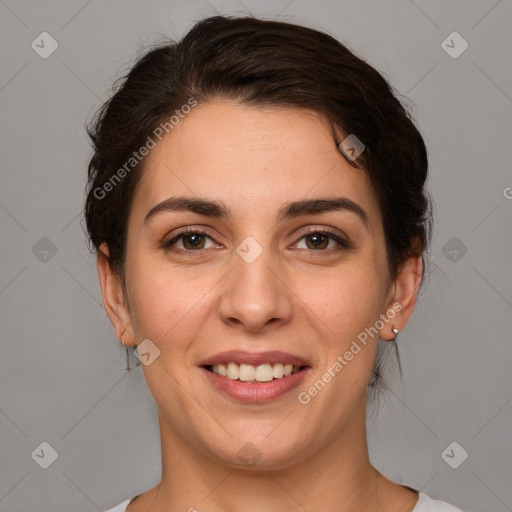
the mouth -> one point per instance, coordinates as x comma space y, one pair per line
254, 377
265, 372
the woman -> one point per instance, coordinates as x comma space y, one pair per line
257, 203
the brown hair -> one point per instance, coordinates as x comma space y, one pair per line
262, 63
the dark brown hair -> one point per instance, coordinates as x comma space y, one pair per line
261, 63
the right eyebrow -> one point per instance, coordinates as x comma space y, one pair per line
209, 208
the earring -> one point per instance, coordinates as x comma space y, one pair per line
127, 355
395, 331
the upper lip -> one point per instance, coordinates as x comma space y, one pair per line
253, 358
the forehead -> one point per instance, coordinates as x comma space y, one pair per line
250, 156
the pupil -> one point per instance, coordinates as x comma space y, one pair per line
317, 239
194, 240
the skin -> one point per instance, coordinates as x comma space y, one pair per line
294, 297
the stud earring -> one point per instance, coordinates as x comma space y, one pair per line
395, 331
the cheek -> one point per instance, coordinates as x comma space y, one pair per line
165, 302
347, 311
346, 300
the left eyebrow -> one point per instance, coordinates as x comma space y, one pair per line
291, 210
316, 206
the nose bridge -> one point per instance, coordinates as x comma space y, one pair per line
254, 293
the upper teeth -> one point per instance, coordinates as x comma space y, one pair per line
261, 373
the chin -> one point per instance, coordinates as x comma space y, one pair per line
260, 454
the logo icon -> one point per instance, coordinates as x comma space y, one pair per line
454, 455
45, 455
454, 249
44, 250
249, 454
454, 45
146, 352
44, 45
249, 250
351, 147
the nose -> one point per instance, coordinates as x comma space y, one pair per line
255, 296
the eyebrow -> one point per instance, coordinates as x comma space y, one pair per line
291, 210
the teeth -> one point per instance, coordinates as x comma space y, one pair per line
233, 371
250, 373
278, 370
264, 373
246, 372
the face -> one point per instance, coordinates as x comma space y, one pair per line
282, 263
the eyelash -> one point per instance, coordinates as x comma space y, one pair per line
167, 245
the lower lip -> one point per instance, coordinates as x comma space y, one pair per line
256, 392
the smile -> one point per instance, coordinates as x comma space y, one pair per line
265, 372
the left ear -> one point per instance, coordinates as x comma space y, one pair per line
404, 291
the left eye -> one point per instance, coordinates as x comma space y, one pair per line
320, 240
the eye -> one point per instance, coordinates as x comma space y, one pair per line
321, 240
192, 240
188, 240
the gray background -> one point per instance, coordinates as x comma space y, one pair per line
62, 371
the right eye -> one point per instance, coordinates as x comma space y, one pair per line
191, 240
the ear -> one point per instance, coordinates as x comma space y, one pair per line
114, 299
404, 291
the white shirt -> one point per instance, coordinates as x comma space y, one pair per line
424, 504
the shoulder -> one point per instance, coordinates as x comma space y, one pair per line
121, 507
427, 504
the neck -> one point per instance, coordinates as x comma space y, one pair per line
336, 477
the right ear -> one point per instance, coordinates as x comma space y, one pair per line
113, 297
